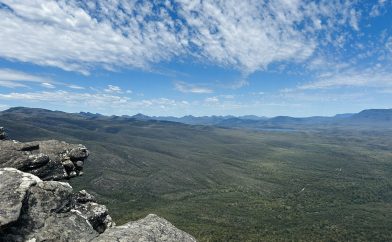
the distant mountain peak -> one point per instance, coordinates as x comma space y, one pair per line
141, 116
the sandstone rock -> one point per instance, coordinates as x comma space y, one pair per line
49, 160
13, 188
150, 228
46, 210
83, 197
79, 153
96, 214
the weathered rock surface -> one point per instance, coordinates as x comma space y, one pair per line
36, 207
13, 189
150, 228
46, 210
49, 160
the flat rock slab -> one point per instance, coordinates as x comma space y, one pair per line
151, 228
13, 188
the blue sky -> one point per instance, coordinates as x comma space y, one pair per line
268, 58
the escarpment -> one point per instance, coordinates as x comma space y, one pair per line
36, 206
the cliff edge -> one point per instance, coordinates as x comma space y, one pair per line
36, 206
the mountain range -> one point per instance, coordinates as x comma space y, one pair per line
239, 180
366, 118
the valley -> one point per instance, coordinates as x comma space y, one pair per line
230, 184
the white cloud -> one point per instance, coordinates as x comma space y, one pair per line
12, 78
238, 84
303, 97
247, 35
91, 101
72, 86
48, 85
190, 88
377, 8
212, 100
228, 96
63, 34
113, 89
371, 77
354, 18
3, 107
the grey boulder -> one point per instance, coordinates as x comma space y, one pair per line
14, 186
49, 160
38, 210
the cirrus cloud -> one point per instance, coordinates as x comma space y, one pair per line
246, 35
12, 78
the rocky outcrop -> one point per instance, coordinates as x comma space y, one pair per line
49, 160
44, 210
36, 207
150, 228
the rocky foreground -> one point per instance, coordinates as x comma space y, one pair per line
36, 206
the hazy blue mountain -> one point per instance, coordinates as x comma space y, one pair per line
371, 117
252, 117
138, 116
366, 118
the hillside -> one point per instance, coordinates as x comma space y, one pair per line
227, 184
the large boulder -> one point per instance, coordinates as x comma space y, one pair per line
14, 186
49, 160
32, 209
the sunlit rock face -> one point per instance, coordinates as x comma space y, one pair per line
47, 210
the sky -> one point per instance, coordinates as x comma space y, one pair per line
196, 57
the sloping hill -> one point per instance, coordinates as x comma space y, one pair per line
373, 115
